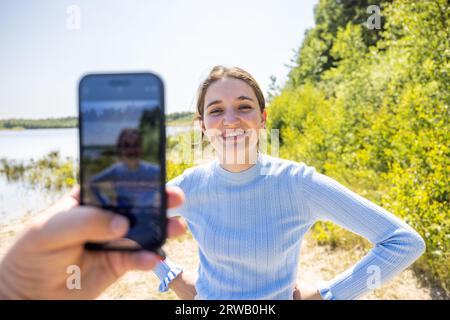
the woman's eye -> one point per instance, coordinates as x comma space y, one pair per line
215, 111
244, 107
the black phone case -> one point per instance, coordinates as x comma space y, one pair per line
154, 247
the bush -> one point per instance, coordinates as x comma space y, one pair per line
377, 117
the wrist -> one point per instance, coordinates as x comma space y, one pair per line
174, 284
3, 295
7, 291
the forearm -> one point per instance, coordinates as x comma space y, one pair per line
10, 281
5, 290
173, 277
397, 245
381, 264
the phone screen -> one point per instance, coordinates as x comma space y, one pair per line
122, 154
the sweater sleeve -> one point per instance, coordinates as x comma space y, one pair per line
396, 244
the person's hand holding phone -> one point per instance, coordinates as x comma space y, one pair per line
36, 266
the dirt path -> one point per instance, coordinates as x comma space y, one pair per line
316, 263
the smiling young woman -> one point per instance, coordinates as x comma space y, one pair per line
231, 110
249, 214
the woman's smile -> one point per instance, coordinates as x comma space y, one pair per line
234, 135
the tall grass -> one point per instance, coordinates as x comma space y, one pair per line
50, 172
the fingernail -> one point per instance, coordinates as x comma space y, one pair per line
118, 224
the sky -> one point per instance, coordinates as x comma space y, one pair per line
46, 46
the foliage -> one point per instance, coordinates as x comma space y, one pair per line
183, 115
370, 108
49, 172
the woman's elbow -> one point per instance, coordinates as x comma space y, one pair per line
416, 243
420, 244
406, 244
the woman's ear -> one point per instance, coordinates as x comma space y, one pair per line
263, 119
201, 124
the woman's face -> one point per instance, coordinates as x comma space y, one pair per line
232, 117
130, 150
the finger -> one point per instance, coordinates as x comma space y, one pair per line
175, 227
109, 266
121, 262
81, 224
75, 193
175, 197
142, 260
69, 200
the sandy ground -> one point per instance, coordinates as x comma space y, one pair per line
316, 263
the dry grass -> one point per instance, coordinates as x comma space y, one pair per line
316, 263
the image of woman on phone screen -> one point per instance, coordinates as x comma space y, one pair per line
130, 186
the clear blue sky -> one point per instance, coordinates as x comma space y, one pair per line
41, 59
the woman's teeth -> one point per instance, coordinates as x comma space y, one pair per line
234, 134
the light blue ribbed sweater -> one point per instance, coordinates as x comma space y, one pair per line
249, 227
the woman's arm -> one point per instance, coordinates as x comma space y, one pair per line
173, 277
396, 245
104, 176
183, 284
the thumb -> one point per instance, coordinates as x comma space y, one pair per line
142, 260
81, 224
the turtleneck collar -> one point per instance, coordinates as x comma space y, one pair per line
239, 177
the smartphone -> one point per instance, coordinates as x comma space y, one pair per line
122, 154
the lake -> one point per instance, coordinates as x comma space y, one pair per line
18, 198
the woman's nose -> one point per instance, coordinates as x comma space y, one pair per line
230, 118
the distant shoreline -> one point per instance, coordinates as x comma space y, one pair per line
22, 128
175, 119
48, 123
169, 124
